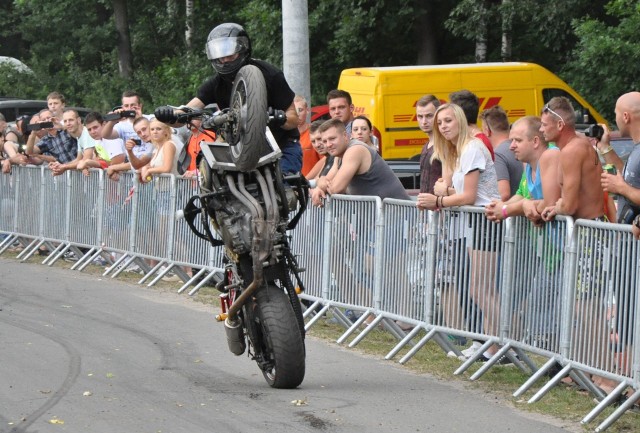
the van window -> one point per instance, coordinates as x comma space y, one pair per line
583, 116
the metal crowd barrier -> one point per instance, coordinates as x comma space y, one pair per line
126, 223
565, 291
519, 288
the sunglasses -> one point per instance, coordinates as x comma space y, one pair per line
546, 109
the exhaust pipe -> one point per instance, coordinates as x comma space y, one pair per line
235, 336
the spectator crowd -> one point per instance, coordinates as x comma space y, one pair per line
538, 167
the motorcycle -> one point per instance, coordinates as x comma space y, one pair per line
251, 207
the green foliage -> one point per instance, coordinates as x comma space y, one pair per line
71, 45
606, 61
17, 84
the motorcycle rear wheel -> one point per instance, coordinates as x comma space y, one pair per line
281, 339
249, 102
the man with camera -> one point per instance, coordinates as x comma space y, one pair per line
56, 146
626, 183
138, 149
120, 124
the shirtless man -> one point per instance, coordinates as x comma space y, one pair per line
579, 174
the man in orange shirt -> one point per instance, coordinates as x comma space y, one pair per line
309, 154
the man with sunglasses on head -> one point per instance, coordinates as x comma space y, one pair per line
579, 171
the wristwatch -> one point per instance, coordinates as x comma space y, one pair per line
636, 221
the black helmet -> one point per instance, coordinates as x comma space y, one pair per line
226, 40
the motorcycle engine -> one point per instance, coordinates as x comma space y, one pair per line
234, 226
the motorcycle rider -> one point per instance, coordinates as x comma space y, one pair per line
229, 49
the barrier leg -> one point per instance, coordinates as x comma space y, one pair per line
407, 338
115, 265
469, 362
192, 280
317, 317
153, 270
90, 260
542, 371
552, 382
619, 412
88, 257
24, 254
611, 398
418, 346
491, 362
56, 254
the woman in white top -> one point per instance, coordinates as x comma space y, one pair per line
164, 158
469, 179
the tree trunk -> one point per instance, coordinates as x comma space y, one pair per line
125, 56
188, 32
507, 24
481, 44
425, 32
481, 32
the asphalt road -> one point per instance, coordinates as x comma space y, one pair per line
83, 354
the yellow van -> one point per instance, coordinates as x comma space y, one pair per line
388, 96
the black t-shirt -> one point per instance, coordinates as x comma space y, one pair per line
279, 95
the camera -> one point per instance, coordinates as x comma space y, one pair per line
39, 126
137, 141
594, 131
121, 115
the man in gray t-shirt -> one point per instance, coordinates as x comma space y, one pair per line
495, 125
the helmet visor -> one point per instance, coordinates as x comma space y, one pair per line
226, 46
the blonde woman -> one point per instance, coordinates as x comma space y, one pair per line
163, 160
165, 155
469, 179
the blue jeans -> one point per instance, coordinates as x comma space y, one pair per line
291, 161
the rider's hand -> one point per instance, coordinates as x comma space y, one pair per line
166, 115
277, 117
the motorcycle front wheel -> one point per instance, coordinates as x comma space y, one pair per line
249, 103
282, 344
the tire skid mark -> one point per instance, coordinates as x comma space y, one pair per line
165, 352
72, 373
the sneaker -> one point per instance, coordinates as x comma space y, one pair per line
471, 350
100, 261
351, 315
70, 256
134, 268
502, 361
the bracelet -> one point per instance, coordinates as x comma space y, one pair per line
636, 221
437, 202
607, 150
442, 203
504, 212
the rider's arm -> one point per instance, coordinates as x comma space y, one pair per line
292, 117
196, 103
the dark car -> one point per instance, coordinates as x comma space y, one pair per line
408, 172
14, 108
